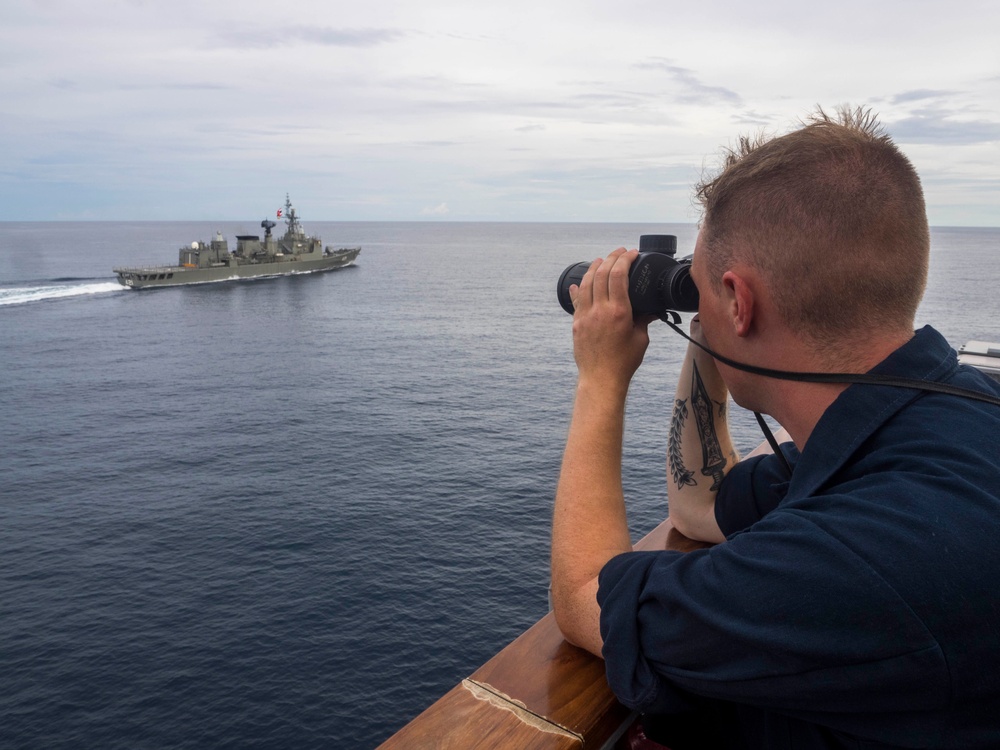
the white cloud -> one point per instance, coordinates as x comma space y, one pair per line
265, 37
559, 111
439, 210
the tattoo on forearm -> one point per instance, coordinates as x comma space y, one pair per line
713, 460
678, 471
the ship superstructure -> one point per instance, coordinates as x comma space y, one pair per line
292, 253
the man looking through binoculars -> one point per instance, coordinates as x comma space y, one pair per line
850, 601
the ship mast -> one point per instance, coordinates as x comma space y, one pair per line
294, 229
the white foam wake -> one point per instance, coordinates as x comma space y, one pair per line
25, 294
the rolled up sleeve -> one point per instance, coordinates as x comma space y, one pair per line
632, 677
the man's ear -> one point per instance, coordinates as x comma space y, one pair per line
740, 301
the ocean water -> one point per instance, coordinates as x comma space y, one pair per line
292, 513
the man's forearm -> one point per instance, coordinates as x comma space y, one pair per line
589, 524
700, 451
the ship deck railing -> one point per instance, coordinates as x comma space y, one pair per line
983, 355
146, 269
538, 693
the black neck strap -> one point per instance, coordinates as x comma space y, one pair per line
845, 377
830, 377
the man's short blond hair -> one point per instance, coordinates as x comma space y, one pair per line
832, 215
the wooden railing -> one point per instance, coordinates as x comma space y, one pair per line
539, 693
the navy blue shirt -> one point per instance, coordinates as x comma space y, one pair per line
855, 603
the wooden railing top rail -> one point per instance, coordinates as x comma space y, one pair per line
539, 693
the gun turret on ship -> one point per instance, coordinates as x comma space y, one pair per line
199, 263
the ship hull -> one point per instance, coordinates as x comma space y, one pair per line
163, 276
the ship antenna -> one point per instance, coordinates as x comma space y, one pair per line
290, 218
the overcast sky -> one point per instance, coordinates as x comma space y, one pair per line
543, 110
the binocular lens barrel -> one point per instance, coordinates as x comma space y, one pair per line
572, 275
656, 282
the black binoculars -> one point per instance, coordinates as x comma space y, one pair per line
657, 283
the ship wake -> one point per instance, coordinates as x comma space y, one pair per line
21, 295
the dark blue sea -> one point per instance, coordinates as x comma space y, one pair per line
293, 512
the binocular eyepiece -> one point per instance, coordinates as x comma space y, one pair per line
657, 283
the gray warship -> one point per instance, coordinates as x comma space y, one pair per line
202, 263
